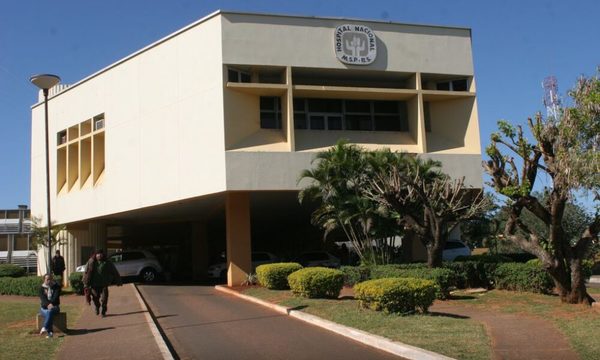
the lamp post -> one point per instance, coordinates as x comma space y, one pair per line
45, 82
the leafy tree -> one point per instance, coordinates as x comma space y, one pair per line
338, 175
565, 149
426, 201
39, 234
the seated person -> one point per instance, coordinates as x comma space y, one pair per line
50, 302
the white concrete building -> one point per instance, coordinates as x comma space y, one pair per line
174, 146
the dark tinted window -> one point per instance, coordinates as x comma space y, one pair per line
358, 122
359, 106
270, 112
334, 123
459, 85
298, 104
317, 122
233, 76
325, 105
387, 107
245, 77
443, 85
300, 121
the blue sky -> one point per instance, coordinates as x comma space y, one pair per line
515, 45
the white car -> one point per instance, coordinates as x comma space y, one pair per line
219, 270
318, 258
453, 249
140, 263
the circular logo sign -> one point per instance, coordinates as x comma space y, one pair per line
355, 44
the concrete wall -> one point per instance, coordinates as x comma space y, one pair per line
254, 170
309, 42
163, 126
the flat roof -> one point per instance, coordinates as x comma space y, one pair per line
225, 12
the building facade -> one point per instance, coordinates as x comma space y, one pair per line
194, 144
15, 238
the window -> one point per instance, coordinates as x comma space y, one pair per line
270, 112
80, 154
336, 114
234, 75
454, 85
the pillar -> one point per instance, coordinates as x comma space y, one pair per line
237, 223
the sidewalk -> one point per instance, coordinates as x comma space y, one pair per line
125, 333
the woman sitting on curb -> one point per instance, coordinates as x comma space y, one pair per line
50, 302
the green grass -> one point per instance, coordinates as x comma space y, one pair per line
18, 337
593, 290
578, 323
458, 338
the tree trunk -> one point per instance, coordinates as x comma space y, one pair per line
434, 254
571, 287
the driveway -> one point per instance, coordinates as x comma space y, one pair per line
202, 323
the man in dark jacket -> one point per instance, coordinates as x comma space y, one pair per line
58, 265
99, 275
49, 293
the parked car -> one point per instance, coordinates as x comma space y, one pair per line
318, 258
140, 263
219, 270
454, 248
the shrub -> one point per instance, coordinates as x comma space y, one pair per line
472, 274
586, 266
25, 285
396, 295
523, 277
317, 282
355, 274
11, 270
443, 278
274, 276
76, 281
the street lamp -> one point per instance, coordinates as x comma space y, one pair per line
45, 82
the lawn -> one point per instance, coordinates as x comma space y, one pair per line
579, 323
454, 337
18, 338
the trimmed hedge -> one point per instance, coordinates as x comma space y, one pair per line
355, 274
11, 270
317, 282
275, 276
443, 278
472, 274
396, 295
76, 281
25, 285
523, 277
485, 258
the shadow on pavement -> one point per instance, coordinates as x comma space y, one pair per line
86, 331
454, 316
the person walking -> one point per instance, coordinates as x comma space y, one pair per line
58, 266
49, 293
99, 275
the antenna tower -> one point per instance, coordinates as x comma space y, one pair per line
551, 99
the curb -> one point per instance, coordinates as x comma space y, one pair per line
160, 341
375, 341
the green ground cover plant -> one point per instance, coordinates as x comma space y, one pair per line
18, 338
454, 337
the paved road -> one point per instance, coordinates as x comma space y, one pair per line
202, 323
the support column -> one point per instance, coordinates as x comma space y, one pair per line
199, 251
421, 134
237, 219
10, 247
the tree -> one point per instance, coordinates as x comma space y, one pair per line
39, 234
338, 175
565, 149
426, 201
